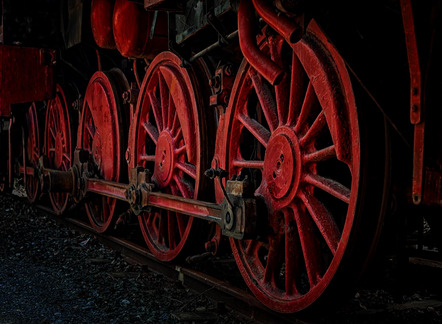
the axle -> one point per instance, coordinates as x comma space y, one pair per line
141, 195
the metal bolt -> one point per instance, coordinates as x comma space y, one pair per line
414, 91
228, 218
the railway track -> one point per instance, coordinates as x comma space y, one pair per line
242, 302
221, 292
421, 273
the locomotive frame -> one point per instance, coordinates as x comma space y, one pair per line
290, 127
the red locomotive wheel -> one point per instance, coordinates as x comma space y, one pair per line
58, 143
301, 143
167, 138
31, 152
101, 132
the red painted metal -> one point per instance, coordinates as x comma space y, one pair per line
281, 23
101, 23
31, 153
137, 32
306, 159
15, 62
101, 132
416, 104
58, 143
165, 137
247, 41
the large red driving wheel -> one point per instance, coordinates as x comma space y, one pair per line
167, 138
58, 143
31, 152
301, 143
101, 132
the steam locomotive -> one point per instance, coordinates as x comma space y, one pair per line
290, 130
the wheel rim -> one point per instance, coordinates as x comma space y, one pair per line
101, 133
31, 152
305, 165
58, 143
166, 139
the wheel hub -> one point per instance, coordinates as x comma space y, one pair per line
164, 159
282, 163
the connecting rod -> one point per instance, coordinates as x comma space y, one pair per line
141, 194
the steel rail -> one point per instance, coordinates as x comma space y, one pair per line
238, 300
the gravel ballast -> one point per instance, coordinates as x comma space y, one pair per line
52, 274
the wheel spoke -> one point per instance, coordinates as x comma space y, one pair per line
54, 119
248, 164
151, 131
164, 95
171, 112
181, 222
171, 220
162, 229
181, 186
291, 255
175, 123
66, 157
273, 259
178, 136
51, 131
314, 130
251, 247
282, 94
187, 168
323, 219
257, 130
320, 156
156, 109
309, 245
333, 187
310, 101
265, 98
91, 130
147, 158
180, 150
296, 90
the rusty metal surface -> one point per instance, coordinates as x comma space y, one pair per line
26, 75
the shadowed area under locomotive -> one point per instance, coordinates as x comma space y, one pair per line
287, 134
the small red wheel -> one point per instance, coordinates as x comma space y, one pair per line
167, 137
101, 132
58, 143
31, 152
302, 144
